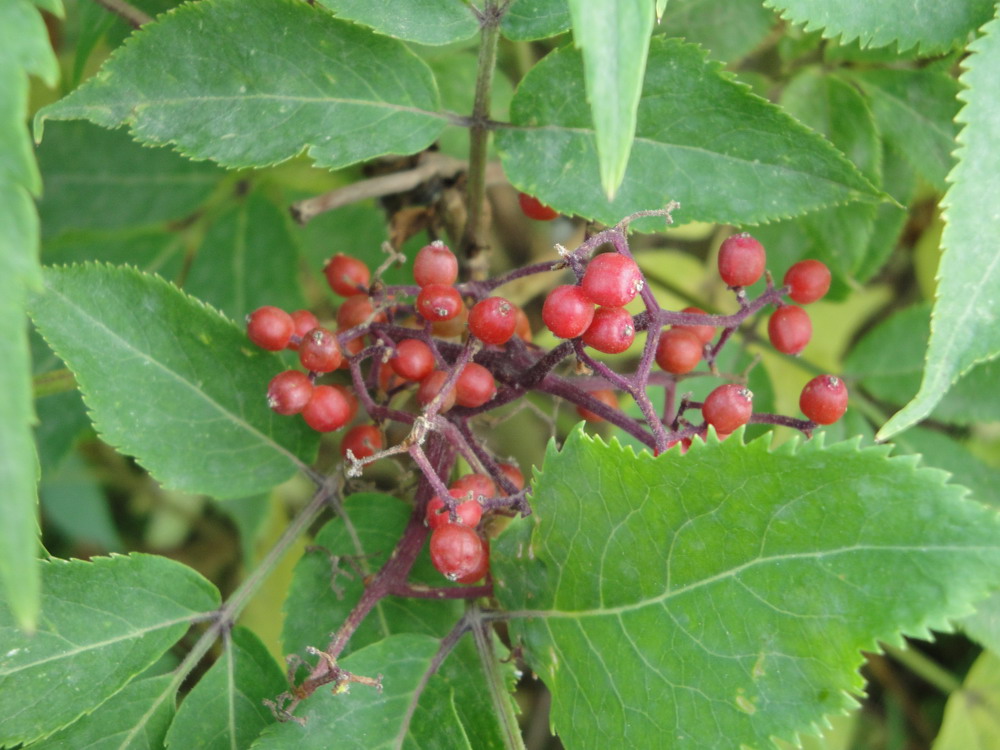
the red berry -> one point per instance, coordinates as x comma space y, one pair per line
482, 570
349, 397
705, 333
304, 322
612, 330
603, 395
478, 485
475, 386
346, 275
289, 392
388, 379
535, 209
513, 474
728, 407
789, 329
679, 350
319, 351
567, 311
363, 440
741, 260
612, 280
456, 551
431, 386
270, 328
351, 346
327, 410
413, 360
467, 513
493, 320
435, 264
523, 325
357, 310
824, 399
439, 302
808, 281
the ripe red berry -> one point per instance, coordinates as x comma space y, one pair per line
824, 399
327, 410
413, 360
603, 395
789, 329
270, 328
535, 209
493, 320
435, 264
439, 302
741, 260
678, 350
467, 513
612, 280
808, 281
513, 474
357, 310
705, 333
481, 571
475, 386
478, 485
611, 331
362, 440
289, 392
346, 275
728, 407
431, 386
350, 398
456, 551
319, 351
304, 322
567, 311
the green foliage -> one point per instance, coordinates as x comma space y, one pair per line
972, 718
422, 21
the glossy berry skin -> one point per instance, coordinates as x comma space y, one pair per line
439, 302
327, 410
727, 407
270, 328
478, 485
611, 331
456, 551
475, 386
789, 329
535, 209
612, 280
807, 281
363, 440
741, 260
431, 386
304, 322
603, 395
678, 350
413, 360
705, 333
289, 392
484, 567
350, 398
567, 311
467, 513
435, 264
493, 320
319, 351
346, 275
824, 399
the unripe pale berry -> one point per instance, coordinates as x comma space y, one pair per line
741, 260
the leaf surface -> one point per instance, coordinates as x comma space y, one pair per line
972, 715
170, 381
728, 29
527, 20
421, 21
722, 597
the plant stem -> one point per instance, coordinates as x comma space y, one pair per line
135, 17
927, 669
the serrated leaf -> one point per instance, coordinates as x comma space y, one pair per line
614, 39
324, 589
333, 89
362, 718
528, 20
972, 716
722, 597
421, 21
152, 249
728, 29
702, 139
225, 709
935, 26
943, 452
963, 324
102, 622
136, 718
170, 381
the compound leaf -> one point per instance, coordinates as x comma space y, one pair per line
259, 97
733, 586
421, 21
170, 381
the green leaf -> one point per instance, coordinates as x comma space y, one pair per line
728, 29
170, 381
722, 597
363, 718
328, 580
943, 452
984, 625
136, 717
963, 324
900, 182
338, 91
614, 38
421, 21
153, 249
102, 622
935, 26
74, 504
915, 111
528, 20
225, 709
102, 179
249, 515
972, 716
702, 139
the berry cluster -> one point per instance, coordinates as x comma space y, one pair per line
439, 353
